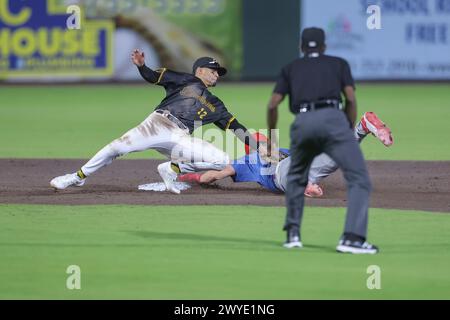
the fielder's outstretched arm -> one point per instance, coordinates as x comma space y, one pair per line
242, 133
148, 74
137, 57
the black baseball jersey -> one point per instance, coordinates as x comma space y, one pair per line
312, 78
189, 100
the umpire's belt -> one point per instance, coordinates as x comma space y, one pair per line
311, 106
172, 118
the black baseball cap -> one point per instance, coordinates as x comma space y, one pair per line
207, 62
313, 37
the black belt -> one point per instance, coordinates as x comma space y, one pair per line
172, 118
311, 106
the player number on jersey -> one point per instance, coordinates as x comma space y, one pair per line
202, 113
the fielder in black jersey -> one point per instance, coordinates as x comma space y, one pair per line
189, 100
187, 105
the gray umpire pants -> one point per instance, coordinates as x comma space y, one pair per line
322, 165
327, 130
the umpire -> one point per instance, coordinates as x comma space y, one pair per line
314, 84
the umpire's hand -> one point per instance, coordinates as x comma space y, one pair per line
272, 143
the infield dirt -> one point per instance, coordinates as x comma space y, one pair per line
396, 184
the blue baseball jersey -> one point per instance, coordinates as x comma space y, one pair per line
251, 168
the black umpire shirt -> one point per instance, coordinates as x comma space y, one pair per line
188, 99
312, 78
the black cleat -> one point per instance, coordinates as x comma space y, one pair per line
357, 247
292, 239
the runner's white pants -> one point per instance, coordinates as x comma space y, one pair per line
159, 133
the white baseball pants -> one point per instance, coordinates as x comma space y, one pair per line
159, 133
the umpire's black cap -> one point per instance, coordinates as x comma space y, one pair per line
313, 38
207, 62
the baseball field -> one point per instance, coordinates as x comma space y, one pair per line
223, 241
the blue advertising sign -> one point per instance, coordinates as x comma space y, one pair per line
35, 40
386, 39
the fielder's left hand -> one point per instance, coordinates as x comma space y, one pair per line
137, 57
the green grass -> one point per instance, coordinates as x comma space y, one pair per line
211, 252
215, 253
76, 121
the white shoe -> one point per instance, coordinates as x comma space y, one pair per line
292, 239
71, 179
169, 177
293, 244
356, 247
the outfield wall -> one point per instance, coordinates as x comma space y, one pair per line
43, 41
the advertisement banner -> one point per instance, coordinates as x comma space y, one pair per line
398, 39
37, 45
178, 31
35, 41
